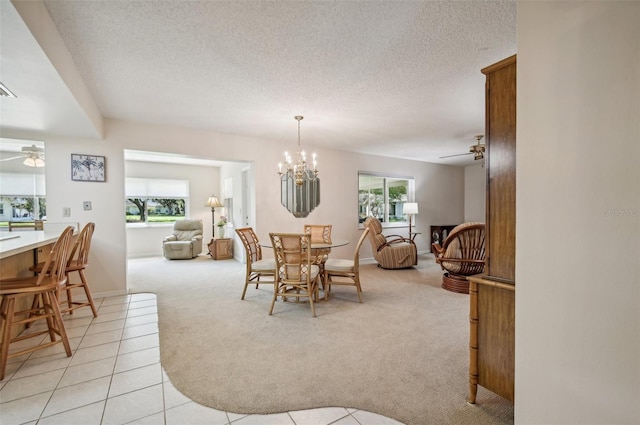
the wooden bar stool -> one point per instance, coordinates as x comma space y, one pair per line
78, 261
43, 288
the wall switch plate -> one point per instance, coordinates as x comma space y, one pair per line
66, 212
86, 205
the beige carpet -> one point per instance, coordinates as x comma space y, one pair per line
402, 353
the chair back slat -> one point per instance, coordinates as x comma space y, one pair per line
82, 245
56, 262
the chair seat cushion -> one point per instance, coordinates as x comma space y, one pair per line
177, 245
338, 264
315, 270
267, 264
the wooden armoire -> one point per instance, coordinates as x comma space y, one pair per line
492, 294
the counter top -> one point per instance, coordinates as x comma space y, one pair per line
17, 242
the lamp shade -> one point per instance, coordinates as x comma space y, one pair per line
410, 208
213, 202
33, 161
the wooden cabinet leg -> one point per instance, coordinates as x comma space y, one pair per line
473, 341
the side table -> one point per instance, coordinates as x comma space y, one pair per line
440, 233
221, 249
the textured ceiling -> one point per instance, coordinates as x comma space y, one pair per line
393, 78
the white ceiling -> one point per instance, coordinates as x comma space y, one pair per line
395, 78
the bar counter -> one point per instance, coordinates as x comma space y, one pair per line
18, 242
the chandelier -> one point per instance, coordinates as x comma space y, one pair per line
300, 185
300, 171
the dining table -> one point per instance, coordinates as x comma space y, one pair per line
315, 247
266, 243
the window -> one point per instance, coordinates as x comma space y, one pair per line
155, 200
383, 197
22, 196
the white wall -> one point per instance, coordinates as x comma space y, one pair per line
146, 240
578, 213
475, 193
439, 188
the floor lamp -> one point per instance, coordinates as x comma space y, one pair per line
410, 208
213, 203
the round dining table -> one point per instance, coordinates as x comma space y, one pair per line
334, 244
318, 247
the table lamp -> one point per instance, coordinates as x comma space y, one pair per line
410, 208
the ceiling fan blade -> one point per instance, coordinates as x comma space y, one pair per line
9, 159
459, 154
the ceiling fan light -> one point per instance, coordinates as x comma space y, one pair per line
33, 160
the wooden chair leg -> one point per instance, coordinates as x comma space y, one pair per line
48, 311
6, 311
59, 323
273, 300
69, 296
244, 291
359, 289
87, 292
313, 291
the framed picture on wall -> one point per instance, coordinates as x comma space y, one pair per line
88, 168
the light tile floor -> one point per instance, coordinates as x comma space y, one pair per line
115, 377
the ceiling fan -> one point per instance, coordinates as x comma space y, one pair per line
477, 150
33, 156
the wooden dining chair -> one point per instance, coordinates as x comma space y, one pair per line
296, 275
78, 262
346, 269
257, 268
44, 286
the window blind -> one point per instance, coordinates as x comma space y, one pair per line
156, 188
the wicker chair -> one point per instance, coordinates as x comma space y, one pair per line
257, 267
348, 270
393, 251
461, 255
296, 275
319, 233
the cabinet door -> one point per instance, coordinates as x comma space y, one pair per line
496, 338
224, 248
501, 170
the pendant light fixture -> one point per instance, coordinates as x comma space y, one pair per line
299, 182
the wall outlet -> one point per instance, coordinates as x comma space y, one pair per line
86, 205
66, 212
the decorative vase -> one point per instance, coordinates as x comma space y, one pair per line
221, 232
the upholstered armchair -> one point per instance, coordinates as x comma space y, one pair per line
186, 241
393, 251
461, 255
